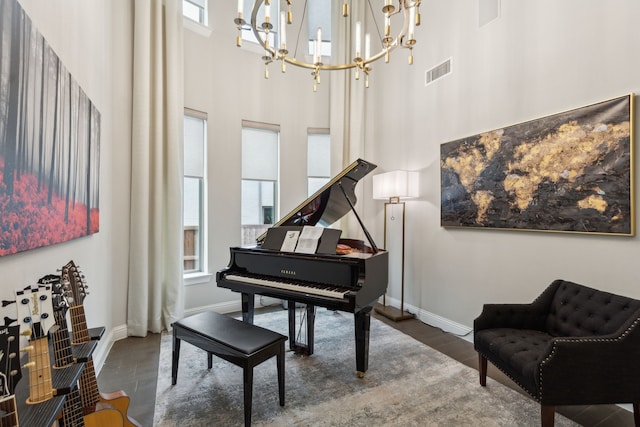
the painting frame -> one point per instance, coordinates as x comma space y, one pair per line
570, 172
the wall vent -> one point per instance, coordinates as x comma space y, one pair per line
437, 72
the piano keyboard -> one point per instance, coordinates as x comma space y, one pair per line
311, 289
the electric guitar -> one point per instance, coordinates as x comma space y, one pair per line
34, 311
75, 291
10, 373
72, 415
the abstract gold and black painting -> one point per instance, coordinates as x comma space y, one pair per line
568, 172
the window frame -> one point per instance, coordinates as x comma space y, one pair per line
201, 275
318, 131
203, 11
247, 124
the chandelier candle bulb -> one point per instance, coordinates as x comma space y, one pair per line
358, 45
317, 56
367, 45
240, 7
412, 22
283, 33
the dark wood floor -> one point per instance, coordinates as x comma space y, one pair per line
132, 366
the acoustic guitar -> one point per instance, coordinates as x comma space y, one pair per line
75, 292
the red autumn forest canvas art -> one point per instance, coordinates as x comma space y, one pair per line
49, 142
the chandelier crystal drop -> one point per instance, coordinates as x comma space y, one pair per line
406, 12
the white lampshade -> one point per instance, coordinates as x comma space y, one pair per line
399, 184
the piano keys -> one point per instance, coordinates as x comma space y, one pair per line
350, 282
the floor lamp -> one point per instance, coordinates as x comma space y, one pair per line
393, 187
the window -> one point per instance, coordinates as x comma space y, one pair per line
193, 205
196, 10
319, 17
274, 12
318, 159
259, 198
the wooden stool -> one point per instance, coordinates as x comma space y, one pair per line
240, 343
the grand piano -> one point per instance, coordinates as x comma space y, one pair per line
351, 281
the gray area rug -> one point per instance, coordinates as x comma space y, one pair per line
407, 384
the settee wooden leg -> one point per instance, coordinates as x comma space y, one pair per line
482, 369
548, 415
636, 413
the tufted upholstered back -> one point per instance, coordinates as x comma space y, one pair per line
578, 310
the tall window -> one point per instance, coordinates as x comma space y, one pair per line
260, 154
194, 211
318, 159
196, 10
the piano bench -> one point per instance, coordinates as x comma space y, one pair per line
240, 343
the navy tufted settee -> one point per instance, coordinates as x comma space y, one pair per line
573, 345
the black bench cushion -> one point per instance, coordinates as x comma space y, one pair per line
579, 311
233, 333
517, 351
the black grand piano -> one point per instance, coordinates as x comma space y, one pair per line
351, 281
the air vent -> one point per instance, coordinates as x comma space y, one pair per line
437, 72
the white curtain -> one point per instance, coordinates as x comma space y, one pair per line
155, 258
347, 108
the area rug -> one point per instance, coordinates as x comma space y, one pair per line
407, 384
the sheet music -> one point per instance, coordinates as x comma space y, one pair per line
290, 241
308, 240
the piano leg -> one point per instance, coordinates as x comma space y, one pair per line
247, 307
310, 317
362, 326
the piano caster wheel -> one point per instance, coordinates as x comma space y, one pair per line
360, 374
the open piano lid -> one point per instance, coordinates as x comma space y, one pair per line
331, 202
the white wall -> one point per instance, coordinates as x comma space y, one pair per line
99, 58
537, 58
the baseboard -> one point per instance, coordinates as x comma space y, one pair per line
233, 306
432, 319
104, 346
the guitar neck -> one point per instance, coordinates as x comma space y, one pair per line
89, 388
9, 412
62, 354
72, 410
79, 325
40, 385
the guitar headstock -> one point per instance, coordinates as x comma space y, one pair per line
10, 372
35, 310
73, 283
35, 317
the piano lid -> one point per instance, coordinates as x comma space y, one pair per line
329, 204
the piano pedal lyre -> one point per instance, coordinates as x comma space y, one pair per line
301, 333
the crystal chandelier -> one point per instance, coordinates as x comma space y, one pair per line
276, 49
